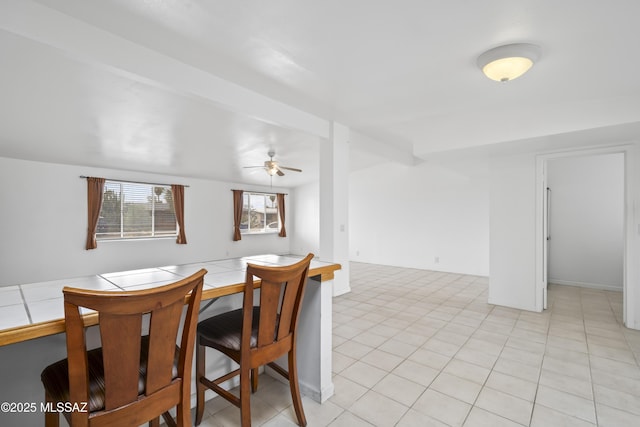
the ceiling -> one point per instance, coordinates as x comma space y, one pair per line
204, 88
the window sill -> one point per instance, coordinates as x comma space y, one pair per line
136, 239
259, 233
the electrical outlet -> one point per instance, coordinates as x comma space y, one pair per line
436, 260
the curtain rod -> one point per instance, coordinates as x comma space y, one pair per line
133, 182
259, 192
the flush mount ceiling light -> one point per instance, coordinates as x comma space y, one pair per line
508, 62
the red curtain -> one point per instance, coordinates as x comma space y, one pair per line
237, 214
95, 190
281, 212
178, 206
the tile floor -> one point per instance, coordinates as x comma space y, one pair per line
423, 348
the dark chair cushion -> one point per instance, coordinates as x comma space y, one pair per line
55, 377
225, 330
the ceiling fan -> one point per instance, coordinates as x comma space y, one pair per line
272, 167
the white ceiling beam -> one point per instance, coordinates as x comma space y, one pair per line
400, 152
98, 47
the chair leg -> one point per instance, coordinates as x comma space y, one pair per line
155, 422
295, 389
200, 388
51, 418
245, 398
254, 380
183, 415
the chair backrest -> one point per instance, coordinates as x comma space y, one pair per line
166, 382
281, 293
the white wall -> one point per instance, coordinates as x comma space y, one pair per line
587, 221
306, 222
43, 220
513, 250
410, 215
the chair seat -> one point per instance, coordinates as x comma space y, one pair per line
55, 377
225, 330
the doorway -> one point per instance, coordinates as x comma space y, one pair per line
585, 213
630, 232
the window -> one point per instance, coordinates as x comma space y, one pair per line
259, 213
134, 210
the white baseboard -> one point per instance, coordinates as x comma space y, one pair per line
319, 396
599, 286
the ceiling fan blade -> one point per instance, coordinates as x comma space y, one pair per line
290, 169
279, 172
251, 167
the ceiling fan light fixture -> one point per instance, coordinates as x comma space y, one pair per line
508, 62
272, 167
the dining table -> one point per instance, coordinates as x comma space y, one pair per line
30, 313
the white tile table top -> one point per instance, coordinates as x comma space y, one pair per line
10, 295
128, 272
53, 289
145, 278
188, 269
26, 304
12, 316
47, 309
149, 285
273, 259
230, 264
222, 279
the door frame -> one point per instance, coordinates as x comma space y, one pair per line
631, 267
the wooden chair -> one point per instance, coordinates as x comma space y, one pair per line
256, 336
132, 378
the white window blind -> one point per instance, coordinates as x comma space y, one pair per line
135, 210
